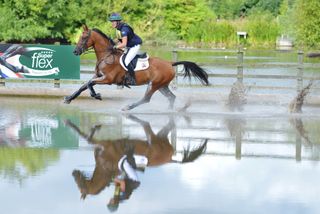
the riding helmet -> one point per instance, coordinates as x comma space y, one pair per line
115, 17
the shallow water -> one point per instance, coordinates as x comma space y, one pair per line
262, 161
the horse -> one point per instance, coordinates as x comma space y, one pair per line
108, 69
107, 153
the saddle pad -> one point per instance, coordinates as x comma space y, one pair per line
142, 63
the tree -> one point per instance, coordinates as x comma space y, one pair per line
262, 27
180, 15
227, 9
19, 20
285, 18
308, 22
28, 20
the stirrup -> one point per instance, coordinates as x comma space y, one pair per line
125, 82
132, 80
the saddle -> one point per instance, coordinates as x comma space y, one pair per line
139, 62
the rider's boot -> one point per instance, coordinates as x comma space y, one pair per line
132, 76
125, 82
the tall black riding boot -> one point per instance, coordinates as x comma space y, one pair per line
132, 78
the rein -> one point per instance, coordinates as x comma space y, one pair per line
84, 43
104, 59
109, 50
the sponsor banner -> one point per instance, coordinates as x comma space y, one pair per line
39, 61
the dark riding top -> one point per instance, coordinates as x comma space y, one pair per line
126, 30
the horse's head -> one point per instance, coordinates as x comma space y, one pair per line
93, 38
85, 41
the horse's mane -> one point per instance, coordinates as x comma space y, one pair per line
103, 35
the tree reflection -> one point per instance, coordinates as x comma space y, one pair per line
17, 164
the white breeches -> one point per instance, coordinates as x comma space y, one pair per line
132, 52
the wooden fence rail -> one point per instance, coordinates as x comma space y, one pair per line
239, 75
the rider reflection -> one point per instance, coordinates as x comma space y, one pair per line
127, 180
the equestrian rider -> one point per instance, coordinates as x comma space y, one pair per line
127, 39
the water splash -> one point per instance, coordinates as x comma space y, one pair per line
237, 97
296, 104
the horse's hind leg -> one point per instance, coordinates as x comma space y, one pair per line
168, 93
146, 127
167, 128
147, 96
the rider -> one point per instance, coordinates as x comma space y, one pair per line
127, 39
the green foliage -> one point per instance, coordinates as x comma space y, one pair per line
230, 9
286, 22
227, 9
308, 22
161, 21
219, 33
19, 22
262, 27
181, 15
271, 6
27, 20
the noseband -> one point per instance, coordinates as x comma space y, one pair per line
84, 42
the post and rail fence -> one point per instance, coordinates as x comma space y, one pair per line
239, 75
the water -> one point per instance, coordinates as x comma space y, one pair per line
261, 160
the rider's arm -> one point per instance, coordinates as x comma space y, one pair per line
123, 43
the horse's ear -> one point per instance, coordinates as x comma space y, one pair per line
85, 27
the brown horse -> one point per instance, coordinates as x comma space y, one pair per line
156, 148
109, 70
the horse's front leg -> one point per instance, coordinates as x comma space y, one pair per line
68, 99
101, 79
89, 85
93, 93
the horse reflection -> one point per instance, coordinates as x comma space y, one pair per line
157, 149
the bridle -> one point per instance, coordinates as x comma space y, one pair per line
85, 50
83, 44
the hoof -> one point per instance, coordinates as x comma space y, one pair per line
98, 96
127, 108
67, 100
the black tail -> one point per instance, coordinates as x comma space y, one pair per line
311, 55
197, 71
192, 155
